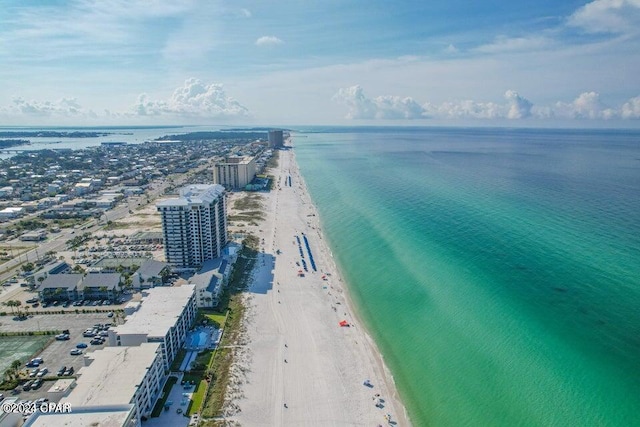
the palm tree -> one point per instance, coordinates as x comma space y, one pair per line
12, 304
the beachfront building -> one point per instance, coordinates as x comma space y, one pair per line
210, 280
276, 138
194, 225
116, 387
235, 172
164, 316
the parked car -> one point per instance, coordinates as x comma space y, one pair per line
61, 371
38, 360
96, 341
110, 314
62, 337
76, 352
81, 345
68, 371
34, 372
32, 300
42, 372
27, 386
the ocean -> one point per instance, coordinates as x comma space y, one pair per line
498, 270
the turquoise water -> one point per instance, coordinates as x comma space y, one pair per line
498, 270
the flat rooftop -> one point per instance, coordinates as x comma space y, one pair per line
159, 311
113, 376
114, 416
195, 194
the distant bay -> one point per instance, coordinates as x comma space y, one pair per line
497, 269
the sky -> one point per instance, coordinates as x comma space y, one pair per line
332, 62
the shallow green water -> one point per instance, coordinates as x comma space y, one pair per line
498, 270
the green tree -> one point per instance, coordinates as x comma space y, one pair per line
13, 304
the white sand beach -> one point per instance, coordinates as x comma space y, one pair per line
299, 366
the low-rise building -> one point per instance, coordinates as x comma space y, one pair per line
61, 287
101, 286
210, 280
11, 212
105, 415
77, 286
150, 274
34, 236
116, 387
120, 376
164, 316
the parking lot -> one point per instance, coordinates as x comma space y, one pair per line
57, 354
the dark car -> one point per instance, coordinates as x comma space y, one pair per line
36, 384
61, 371
68, 371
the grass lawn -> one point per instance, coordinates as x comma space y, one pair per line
216, 317
199, 392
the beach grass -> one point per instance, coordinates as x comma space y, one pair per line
232, 300
251, 201
272, 163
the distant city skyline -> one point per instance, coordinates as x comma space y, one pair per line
91, 62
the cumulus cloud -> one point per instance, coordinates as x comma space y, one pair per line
381, 107
465, 109
65, 107
631, 109
518, 107
610, 16
193, 99
586, 106
268, 41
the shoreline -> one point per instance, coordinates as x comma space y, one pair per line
301, 366
370, 342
